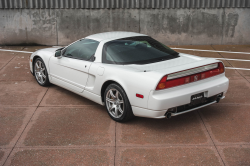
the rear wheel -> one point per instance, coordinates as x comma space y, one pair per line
41, 73
117, 104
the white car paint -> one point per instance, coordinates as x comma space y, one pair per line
72, 73
87, 78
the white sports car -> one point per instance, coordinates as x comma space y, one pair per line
132, 74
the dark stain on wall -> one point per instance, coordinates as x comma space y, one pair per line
206, 23
73, 26
176, 24
196, 26
231, 23
194, 23
184, 26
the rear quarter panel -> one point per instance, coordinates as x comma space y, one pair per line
132, 82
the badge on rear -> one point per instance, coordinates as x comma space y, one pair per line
197, 97
196, 78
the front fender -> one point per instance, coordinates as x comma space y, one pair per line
45, 55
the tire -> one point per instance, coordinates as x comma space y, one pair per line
40, 73
119, 110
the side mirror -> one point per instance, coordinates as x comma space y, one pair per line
58, 53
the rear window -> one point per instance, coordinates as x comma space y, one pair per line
136, 50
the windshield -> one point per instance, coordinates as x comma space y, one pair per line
136, 50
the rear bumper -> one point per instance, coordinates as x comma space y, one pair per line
189, 110
141, 112
160, 101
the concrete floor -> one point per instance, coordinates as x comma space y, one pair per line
52, 126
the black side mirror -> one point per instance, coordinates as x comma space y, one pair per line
92, 59
58, 53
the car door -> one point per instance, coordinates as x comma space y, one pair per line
71, 69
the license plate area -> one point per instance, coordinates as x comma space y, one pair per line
197, 98
197, 103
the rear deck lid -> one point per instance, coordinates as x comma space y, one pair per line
183, 60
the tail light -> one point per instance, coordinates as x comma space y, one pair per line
190, 75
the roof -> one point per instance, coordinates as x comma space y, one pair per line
113, 35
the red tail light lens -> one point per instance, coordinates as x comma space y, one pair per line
170, 80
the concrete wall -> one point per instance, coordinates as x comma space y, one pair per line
171, 26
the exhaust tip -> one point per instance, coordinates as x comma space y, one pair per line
219, 96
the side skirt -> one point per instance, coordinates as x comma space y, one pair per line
89, 95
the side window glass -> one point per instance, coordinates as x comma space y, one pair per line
82, 49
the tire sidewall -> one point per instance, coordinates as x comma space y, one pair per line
46, 83
127, 106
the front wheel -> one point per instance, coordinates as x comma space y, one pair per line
117, 104
41, 73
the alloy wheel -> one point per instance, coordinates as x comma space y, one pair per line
40, 72
115, 103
